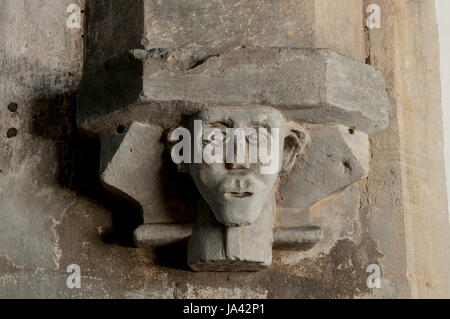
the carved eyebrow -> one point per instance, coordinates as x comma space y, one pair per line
260, 124
218, 124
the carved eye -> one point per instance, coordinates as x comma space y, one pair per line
255, 135
263, 134
217, 139
214, 136
252, 136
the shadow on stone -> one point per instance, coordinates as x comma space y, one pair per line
78, 162
173, 256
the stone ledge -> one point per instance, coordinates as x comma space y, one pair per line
311, 85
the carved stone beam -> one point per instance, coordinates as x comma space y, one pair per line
158, 235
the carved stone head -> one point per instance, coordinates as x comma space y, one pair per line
237, 190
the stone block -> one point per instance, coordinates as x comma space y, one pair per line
132, 167
337, 157
311, 85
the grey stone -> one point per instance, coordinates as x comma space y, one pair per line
234, 230
225, 24
337, 157
215, 247
198, 67
312, 85
157, 235
318, 161
51, 211
296, 238
131, 166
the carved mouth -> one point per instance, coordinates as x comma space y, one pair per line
238, 195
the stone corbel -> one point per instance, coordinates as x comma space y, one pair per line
337, 102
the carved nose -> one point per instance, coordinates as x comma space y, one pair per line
234, 166
237, 166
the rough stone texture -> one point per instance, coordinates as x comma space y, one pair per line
406, 189
326, 159
131, 166
157, 235
336, 157
338, 27
116, 26
39, 69
199, 23
313, 85
53, 205
296, 238
234, 230
214, 247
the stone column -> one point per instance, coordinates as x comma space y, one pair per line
406, 191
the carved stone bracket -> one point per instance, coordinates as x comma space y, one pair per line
326, 104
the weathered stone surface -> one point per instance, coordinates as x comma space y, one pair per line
49, 222
336, 157
132, 167
132, 161
40, 66
156, 235
317, 86
296, 238
214, 247
165, 85
118, 26
330, 159
226, 24
234, 230
406, 190
338, 27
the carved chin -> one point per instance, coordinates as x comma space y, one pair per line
238, 211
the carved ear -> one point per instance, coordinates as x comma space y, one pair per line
172, 140
294, 144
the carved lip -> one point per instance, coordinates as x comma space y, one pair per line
238, 195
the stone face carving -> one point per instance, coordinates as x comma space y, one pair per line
238, 192
234, 230
325, 105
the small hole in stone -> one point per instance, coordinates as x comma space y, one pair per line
347, 166
351, 130
120, 129
12, 132
12, 107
